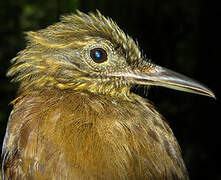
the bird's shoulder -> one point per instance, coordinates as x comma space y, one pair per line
32, 120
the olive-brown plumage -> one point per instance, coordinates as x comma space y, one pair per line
75, 117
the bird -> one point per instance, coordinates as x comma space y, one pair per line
75, 116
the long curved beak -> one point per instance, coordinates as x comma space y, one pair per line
158, 76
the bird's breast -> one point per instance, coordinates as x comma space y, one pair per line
87, 136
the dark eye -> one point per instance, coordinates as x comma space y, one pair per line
99, 55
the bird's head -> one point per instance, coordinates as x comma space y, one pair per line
91, 53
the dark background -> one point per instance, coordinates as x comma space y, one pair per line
183, 35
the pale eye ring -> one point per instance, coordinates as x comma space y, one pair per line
99, 55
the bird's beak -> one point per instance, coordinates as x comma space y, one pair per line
159, 76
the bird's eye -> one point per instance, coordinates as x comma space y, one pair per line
98, 55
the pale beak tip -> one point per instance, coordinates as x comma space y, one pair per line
212, 95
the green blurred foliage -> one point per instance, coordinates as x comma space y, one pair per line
175, 34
